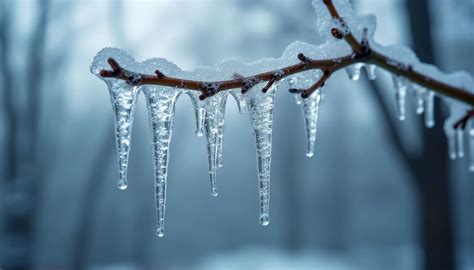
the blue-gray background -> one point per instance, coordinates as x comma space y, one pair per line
356, 204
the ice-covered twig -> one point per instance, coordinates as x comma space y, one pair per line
463, 121
362, 52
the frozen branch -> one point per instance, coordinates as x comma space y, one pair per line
362, 52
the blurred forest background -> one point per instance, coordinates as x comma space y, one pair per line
378, 194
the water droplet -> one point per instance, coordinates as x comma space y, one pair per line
160, 232
264, 220
122, 184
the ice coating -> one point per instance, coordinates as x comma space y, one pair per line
160, 105
260, 108
401, 85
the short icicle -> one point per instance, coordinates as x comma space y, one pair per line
460, 142
124, 99
160, 104
354, 71
310, 109
260, 108
198, 110
401, 88
240, 99
429, 109
450, 133
419, 93
471, 146
370, 70
211, 127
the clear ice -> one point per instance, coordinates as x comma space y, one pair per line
198, 111
220, 130
213, 126
310, 108
160, 104
124, 99
210, 113
260, 107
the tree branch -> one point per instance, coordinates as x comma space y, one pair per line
362, 52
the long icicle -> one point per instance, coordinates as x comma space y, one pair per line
123, 98
260, 107
211, 120
160, 104
220, 130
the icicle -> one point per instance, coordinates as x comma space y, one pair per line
460, 142
240, 99
322, 94
198, 110
160, 104
354, 71
261, 115
419, 93
220, 130
401, 87
451, 145
429, 109
211, 128
123, 98
310, 111
370, 70
471, 146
